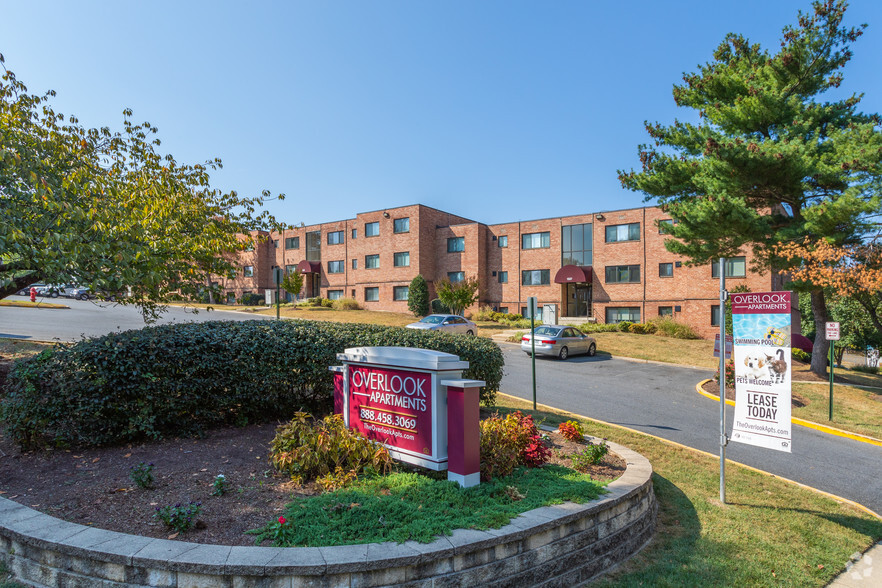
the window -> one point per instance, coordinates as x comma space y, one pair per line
538, 317
400, 292
456, 276
248, 271
335, 267
665, 311
576, 244
715, 315
354, 264
622, 274
736, 267
503, 277
292, 243
355, 233
371, 294
455, 244
335, 237
617, 315
503, 241
664, 226
371, 261
314, 246
616, 233
372, 229
666, 270
535, 240
276, 243
290, 269
401, 225
231, 297
401, 259
335, 294
536, 277
503, 309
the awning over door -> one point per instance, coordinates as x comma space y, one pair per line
575, 274
309, 267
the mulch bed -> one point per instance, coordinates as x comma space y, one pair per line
93, 487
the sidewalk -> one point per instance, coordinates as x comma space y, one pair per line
860, 570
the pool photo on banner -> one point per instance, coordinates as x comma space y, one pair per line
761, 325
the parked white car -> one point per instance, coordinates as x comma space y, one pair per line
449, 323
560, 341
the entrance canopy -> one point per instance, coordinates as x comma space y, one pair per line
309, 267
573, 274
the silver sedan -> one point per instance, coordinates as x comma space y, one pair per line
560, 341
449, 323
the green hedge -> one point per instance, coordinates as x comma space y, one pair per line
185, 378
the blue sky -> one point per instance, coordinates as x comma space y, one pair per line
495, 110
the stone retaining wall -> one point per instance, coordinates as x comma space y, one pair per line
559, 545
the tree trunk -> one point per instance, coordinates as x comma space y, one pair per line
821, 348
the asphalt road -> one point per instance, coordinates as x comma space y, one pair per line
661, 400
86, 318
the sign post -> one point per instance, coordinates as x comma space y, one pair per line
277, 276
832, 337
531, 310
723, 439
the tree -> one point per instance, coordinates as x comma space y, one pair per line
418, 296
767, 163
107, 210
293, 283
458, 296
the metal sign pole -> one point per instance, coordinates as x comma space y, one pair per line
531, 307
723, 439
832, 345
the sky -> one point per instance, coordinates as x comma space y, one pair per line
494, 110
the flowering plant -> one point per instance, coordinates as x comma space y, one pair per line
279, 531
572, 431
142, 475
219, 486
730, 374
179, 517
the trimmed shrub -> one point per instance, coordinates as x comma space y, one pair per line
800, 355
485, 313
185, 378
439, 307
418, 296
346, 304
625, 326
252, 299
326, 303
599, 327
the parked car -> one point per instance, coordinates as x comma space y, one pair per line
78, 293
54, 290
559, 340
27, 291
449, 323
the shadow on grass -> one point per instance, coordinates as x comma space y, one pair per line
869, 527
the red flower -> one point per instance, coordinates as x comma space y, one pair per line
282, 520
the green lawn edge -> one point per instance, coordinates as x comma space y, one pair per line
770, 532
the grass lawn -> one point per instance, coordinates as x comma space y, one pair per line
854, 409
12, 349
769, 532
691, 352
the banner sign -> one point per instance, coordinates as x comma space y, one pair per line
761, 328
393, 407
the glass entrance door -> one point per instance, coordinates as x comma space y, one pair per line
578, 300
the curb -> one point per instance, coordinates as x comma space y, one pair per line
808, 424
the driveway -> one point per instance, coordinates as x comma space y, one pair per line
87, 318
661, 400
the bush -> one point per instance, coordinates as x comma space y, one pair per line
184, 378
591, 455
599, 327
625, 326
800, 355
326, 303
418, 296
572, 431
510, 441
668, 327
484, 313
306, 449
346, 304
252, 299
439, 307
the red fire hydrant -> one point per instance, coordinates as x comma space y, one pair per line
33, 294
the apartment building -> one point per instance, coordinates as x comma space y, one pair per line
606, 266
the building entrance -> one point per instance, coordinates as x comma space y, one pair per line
578, 300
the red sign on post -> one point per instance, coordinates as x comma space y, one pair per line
392, 407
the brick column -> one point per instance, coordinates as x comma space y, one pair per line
463, 432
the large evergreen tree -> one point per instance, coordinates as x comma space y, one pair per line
767, 162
